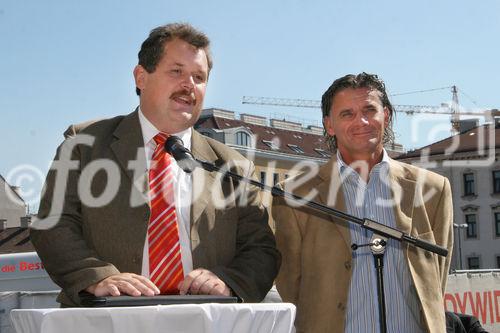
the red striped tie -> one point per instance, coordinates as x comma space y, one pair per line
165, 266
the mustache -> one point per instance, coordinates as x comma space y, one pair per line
184, 93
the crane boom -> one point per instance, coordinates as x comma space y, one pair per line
315, 104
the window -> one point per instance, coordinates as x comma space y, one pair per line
497, 224
322, 153
496, 181
276, 178
473, 262
498, 261
470, 219
296, 149
271, 144
243, 139
469, 184
262, 177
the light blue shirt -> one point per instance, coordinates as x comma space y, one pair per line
366, 200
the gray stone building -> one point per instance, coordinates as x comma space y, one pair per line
12, 206
470, 160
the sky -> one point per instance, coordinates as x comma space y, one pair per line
67, 61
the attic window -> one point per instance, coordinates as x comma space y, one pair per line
322, 153
296, 149
243, 139
271, 144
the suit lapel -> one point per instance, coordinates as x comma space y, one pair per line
403, 193
202, 180
331, 195
129, 148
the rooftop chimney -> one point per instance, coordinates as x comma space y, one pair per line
286, 125
217, 113
253, 119
467, 124
315, 129
25, 221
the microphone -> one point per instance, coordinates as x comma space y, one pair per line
175, 147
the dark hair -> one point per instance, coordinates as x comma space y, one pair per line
152, 48
351, 81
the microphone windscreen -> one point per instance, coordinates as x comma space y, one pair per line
175, 147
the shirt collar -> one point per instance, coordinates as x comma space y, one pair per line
149, 131
343, 165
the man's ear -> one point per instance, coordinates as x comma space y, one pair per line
327, 123
386, 116
140, 76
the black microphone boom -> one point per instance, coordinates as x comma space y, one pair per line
175, 147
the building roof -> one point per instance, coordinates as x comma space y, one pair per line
15, 240
11, 188
284, 139
473, 140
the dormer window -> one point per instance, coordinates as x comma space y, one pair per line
322, 153
296, 149
243, 139
271, 144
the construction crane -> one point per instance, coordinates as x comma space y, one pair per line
452, 109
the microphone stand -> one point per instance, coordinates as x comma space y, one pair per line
380, 232
377, 246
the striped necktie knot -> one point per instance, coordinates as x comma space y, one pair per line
160, 138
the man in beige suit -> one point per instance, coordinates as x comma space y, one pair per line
333, 286
92, 233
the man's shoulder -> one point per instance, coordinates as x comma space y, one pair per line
413, 172
95, 127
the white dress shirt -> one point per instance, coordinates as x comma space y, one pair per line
182, 195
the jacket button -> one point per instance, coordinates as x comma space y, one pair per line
347, 265
341, 306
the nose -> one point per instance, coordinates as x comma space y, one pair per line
188, 82
363, 119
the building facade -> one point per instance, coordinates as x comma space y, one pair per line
12, 206
14, 222
470, 160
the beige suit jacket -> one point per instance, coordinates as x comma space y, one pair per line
316, 267
86, 244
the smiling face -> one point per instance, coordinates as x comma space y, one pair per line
172, 95
357, 119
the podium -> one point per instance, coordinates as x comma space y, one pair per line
186, 318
